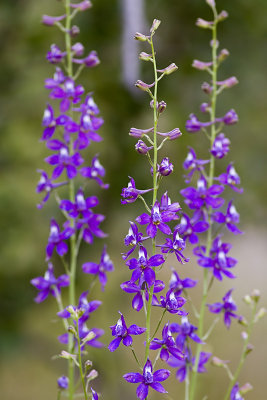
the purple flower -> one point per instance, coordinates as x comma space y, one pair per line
217, 259
235, 394
177, 285
220, 146
201, 65
105, 265
94, 172
46, 185
185, 331
175, 245
171, 135
165, 167
83, 332
142, 148
130, 194
157, 220
64, 161
122, 333
57, 239
90, 61
137, 302
227, 307
229, 219
167, 345
230, 117
80, 206
57, 80
133, 238
63, 382
194, 125
167, 205
185, 365
50, 122
172, 303
55, 55
89, 225
94, 394
68, 93
192, 164
143, 266
50, 21
230, 178
148, 379
49, 284
189, 228
84, 306
203, 196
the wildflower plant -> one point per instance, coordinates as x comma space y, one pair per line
70, 125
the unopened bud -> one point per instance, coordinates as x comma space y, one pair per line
72, 330
217, 362
247, 299
211, 3
255, 295
202, 23
249, 349
245, 388
88, 364
214, 43
204, 107
145, 56
92, 375
155, 25
71, 310
143, 86
141, 147
222, 16
260, 314
242, 321
201, 65
82, 6
75, 30
77, 49
224, 53
170, 69
90, 335
206, 87
140, 37
161, 107
244, 335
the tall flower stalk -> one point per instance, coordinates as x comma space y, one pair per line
68, 135
160, 213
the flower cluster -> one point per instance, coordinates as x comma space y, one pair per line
71, 123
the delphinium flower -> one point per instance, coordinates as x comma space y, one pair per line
71, 122
151, 238
205, 215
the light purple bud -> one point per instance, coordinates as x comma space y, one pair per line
75, 30
166, 167
145, 56
216, 43
211, 3
138, 133
206, 87
168, 70
50, 21
204, 107
143, 86
77, 49
84, 5
92, 59
201, 65
228, 83
224, 53
140, 37
222, 16
161, 107
155, 25
202, 23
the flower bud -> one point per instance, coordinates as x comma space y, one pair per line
166, 167
140, 37
245, 388
202, 66
217, 362
161, 107
77, 49
255, 295
63, 382
206, 87
138, 133
92, 375
214, 43
260, 314
169, 70
141, 147
82, 6
211, 3
91, 60
222, 16
143, 86
88, 364
204, 107
202, 23
50, 21
244, 335
242, 321
155, 25
247, 299
90, 335
75, 30
72, 330
224, 53
145, 56
249, 349
229, 82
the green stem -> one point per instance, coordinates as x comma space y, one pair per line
156, 330
136, 358
80, 361
243, 354
206, 286
155, 189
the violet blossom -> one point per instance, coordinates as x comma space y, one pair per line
105, 265
230, 218
167, 345
227, 307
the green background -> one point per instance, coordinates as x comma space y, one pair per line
28, 331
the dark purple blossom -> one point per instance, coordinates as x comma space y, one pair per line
124, 334
133, 239
192, 164
217, 259
220, 146
230, 117
230, 178
194, 125
68, 93
185, 365
80, 206
50, 122
167, 345
175, 245
143, 267
167, 205
235, 394
177, 285
49, 284
227, 307
157, 220
64, 161
46, 185
172, 303
94, 172
86, 308
94, 394
185, 331
137, 302
189, 228
57, 239
63, 382
229, 219
148, 379
142, 148
203, 196
165, 167
89, 226
55, 55
57, 80
105, 265
130, 194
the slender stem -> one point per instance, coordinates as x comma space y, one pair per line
243, 354
187, 385
60, 306
206, 286
155, 188
136, 358
156, 330
207, 334
80, 361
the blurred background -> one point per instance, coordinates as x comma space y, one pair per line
28, 331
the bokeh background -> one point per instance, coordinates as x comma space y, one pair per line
28, 332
